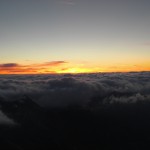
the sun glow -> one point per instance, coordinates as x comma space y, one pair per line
75, 70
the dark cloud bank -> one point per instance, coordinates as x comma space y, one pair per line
85, 111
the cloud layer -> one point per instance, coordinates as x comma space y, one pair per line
63, 90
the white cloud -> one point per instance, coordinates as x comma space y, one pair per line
5, 120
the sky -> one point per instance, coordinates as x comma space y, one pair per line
74, 36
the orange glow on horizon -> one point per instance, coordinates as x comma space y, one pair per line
62, 67
71, 70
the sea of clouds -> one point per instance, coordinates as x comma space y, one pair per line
81, 89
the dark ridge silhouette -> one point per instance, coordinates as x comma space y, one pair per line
107, 126
23, 111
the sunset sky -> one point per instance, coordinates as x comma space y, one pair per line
74, 36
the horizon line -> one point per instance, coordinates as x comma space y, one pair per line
109, 72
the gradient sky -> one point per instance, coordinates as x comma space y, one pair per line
41, 36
